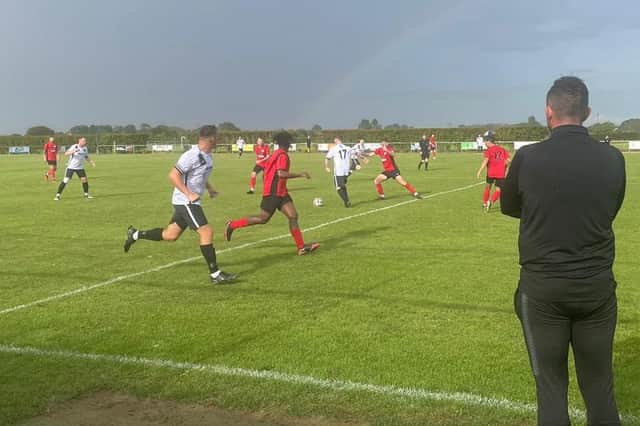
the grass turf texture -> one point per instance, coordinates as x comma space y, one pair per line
418, 296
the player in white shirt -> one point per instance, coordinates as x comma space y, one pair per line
240, 145
78, 153
357, 153
190, 178
341, 155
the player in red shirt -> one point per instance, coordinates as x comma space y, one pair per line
262, 153
433, 146
391, 171
496, 160
276, 196
50, 154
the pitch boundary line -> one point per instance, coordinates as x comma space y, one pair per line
465, 398
117, 279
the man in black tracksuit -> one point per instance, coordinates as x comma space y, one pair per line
567, 191
424, 152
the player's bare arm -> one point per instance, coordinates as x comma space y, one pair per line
211, 190
326, 165
175, 177
482, 166
288, 175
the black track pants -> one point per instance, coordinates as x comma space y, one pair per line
589, 327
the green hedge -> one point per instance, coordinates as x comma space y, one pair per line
462, 134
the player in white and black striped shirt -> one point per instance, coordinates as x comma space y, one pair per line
341, 155
78, 153
190, 178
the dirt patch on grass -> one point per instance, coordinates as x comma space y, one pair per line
107, 409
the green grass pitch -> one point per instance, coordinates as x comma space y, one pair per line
403, 316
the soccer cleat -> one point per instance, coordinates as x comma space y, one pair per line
487, 206
347, 203
417, 195
308, 248
222, 278
381, 197
130, 240
228, 232
57, 197
250, 191
88, 196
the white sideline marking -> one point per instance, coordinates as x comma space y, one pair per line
338, 385
467, 399
85, 289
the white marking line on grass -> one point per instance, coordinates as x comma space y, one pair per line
467, 399
85, 289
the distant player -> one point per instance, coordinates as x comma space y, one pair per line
341, 155
424, 152
50, 154
240, 145
78, 154
308, 143
496, 160
480, 146
391, 171
275, 195
262, 153
190, 178
358, 153
433, 146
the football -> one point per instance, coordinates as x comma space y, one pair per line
318, 202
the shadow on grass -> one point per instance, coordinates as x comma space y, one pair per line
283, 252
124, 194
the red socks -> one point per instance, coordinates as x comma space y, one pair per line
379, 189
410, 188
297, 237
485, 195
240, 223
495, 196
252, 182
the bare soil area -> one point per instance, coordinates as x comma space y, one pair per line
107, 409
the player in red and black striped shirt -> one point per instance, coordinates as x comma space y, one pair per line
262, 153
391, 171
496, 160
50, 153
275, 195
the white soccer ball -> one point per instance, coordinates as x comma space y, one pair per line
318, 202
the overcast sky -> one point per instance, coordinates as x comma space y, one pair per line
267, 64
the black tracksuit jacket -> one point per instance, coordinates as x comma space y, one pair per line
566, 190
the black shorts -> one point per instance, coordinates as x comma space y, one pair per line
340, 181
80, 172
424, 155
257, 169
392, 174
497, 181
272, 202
190, 215
52, 163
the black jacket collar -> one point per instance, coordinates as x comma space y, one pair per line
569, 128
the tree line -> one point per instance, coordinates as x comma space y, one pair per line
630, 126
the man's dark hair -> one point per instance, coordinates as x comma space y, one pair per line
208, 131
569, 98
283, 139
